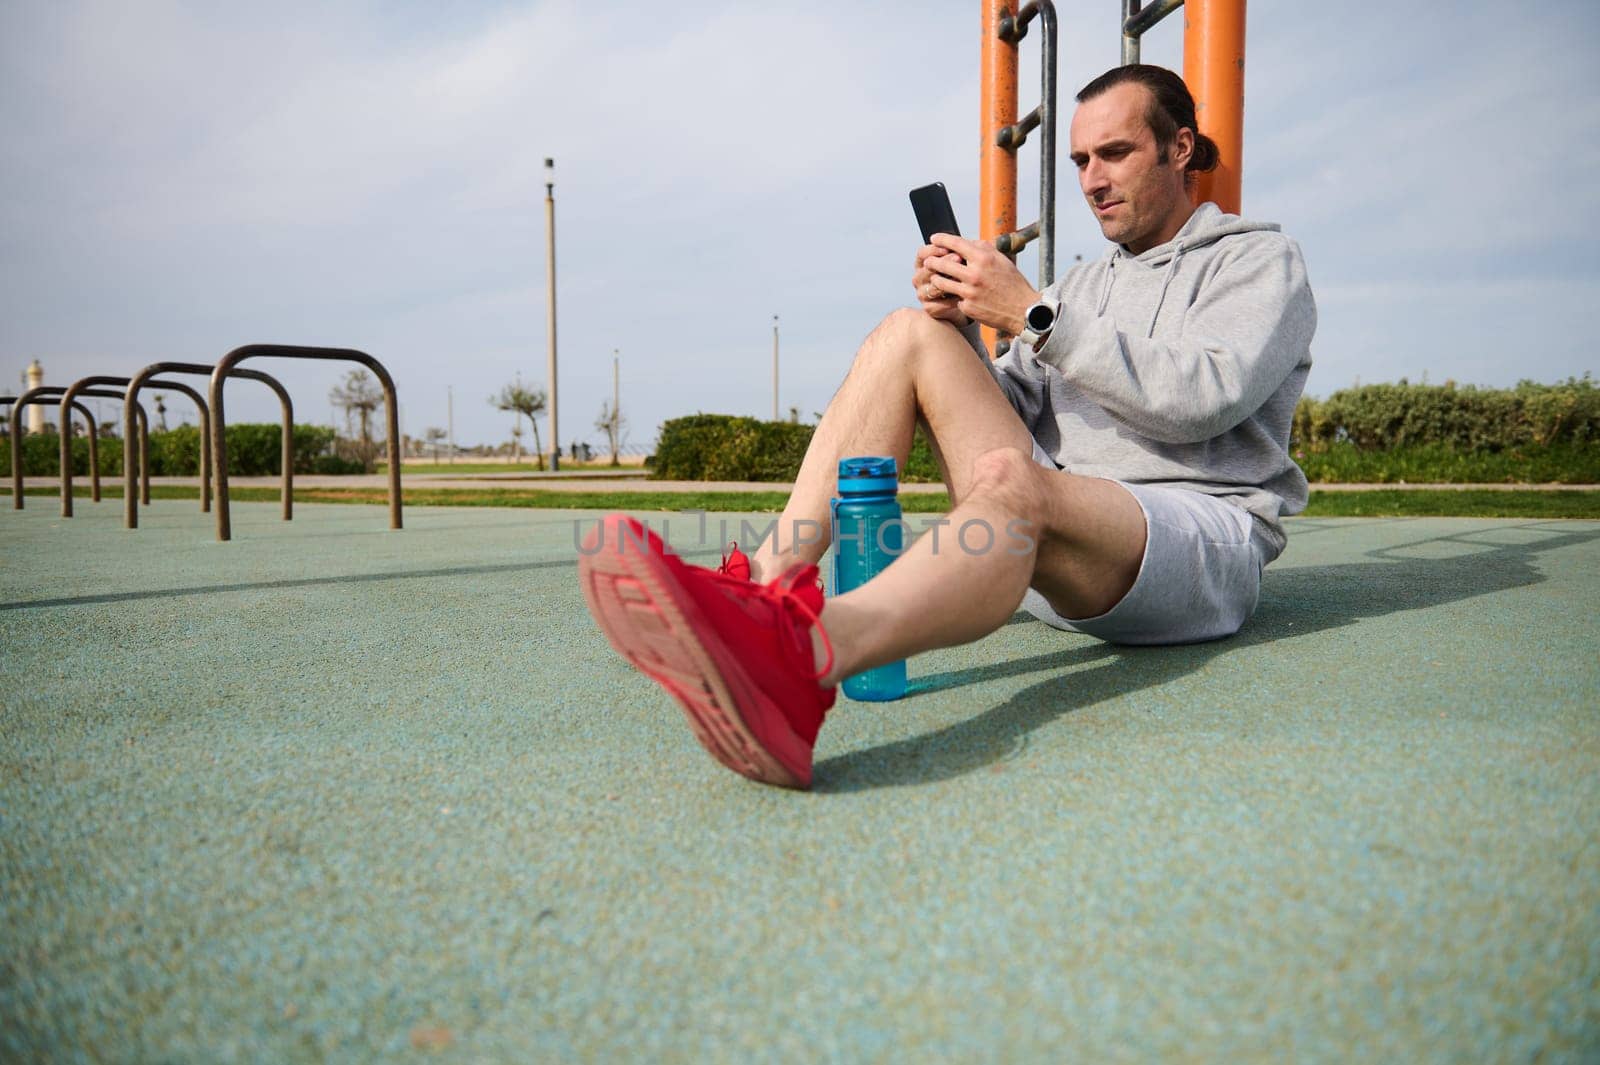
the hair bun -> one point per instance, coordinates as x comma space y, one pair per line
1205, 157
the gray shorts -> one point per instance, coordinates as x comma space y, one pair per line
1199, 580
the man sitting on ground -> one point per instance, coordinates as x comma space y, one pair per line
1135, 434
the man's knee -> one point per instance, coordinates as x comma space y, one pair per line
907, 333
1009, 476
906, 322
1009, 479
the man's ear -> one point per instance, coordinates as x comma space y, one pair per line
1183, 148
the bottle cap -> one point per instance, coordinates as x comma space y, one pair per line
868, 474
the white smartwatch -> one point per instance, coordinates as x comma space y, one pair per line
1037, 323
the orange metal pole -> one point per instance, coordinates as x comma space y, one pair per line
1213, 67
997, 167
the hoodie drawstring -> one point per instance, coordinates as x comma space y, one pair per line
1105, 287
1172, 268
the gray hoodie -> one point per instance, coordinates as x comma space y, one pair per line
1180, 367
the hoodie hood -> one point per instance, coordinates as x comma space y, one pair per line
1207, 225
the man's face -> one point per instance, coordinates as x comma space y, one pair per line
1133, 195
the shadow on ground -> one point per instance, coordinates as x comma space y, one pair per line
1295, 602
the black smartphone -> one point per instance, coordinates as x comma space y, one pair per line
934, 213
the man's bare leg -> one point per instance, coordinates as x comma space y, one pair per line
909, 368
1078, 540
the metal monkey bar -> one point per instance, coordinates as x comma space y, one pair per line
1002, 134
219, 445
1213, 67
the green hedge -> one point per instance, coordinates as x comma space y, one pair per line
1384, 433
723, 447
1465, 418
253, 450
1392, 433
41, 455
720, 447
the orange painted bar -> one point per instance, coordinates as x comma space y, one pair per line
997, 168
1213, 67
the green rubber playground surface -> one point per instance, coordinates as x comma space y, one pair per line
332, 791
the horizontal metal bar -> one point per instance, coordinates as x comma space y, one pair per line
1015, 135
1011, 243
1015, 27
1138, 23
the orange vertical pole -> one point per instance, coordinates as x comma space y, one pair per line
997, 167
1213, 67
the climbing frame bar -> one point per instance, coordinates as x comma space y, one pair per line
1213, 68
1001, 134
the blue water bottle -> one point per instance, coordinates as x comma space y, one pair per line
867, 535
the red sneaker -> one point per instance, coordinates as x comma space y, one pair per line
735, 563
734, 654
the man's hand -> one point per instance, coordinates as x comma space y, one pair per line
935, 303
987, 287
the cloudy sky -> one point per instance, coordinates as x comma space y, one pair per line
182, 178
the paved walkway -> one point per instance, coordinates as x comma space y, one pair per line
332, 792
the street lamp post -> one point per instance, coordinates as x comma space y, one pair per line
550, 271
774, 367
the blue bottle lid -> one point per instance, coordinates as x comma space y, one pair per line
868, 475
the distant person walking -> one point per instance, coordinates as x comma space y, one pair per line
1121, 471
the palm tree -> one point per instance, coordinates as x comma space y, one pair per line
528, 401
435, 435
359, 394
612, 422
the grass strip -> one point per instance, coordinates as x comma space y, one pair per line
1454, 503
1378, 503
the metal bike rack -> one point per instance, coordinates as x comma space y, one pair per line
219, 445
43, 392
98, 380
129, 498
94, 430
127, 458
130, 505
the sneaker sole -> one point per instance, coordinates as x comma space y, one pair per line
637, 602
